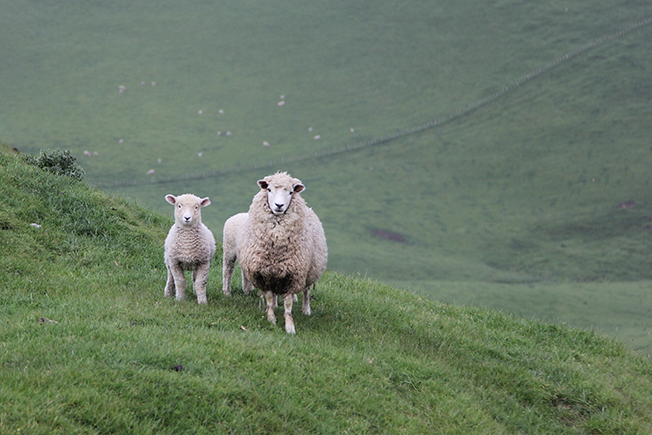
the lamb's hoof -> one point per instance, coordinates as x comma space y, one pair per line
202, 300
306, 311
272, 319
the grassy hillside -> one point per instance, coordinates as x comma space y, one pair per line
535, 203
88, 344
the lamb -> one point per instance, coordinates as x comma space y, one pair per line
282, 249
233, 229
190, 245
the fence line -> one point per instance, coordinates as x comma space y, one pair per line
396, 134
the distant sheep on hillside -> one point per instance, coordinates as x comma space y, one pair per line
282, 249
190, 245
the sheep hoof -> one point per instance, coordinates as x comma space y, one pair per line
289, 324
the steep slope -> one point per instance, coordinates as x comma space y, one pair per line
88, 344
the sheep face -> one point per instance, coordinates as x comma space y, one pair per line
187, 210
279, 191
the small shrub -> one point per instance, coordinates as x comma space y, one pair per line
58, 162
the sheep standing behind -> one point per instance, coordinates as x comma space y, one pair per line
233, 230
282, 249
190, 245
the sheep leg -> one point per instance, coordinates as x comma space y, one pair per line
200, 278
270, 298
179, 281
289, 322
169, 285
227, 273
295, 298
247, 286
305, 309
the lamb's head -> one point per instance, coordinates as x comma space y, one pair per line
187, 208
280, 187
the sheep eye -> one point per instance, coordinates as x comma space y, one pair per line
179, 205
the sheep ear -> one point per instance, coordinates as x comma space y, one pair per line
263, 184
299, 188
171, 199
205, 201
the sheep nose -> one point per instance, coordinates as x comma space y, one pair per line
278, 205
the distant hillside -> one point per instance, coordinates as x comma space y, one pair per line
90, 345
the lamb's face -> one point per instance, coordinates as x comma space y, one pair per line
280, 191
187, 208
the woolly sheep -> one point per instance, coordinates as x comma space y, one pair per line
190, 245
232, 232
233, 229
282, 249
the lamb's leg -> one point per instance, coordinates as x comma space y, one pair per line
247, 286
289, 322
169, 285
305, 309
200, 276
270, 298
179, 281
227, 273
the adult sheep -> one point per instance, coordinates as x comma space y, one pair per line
190, 245
282, 249
233, 230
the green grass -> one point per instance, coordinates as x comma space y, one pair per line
371, 358
517, 197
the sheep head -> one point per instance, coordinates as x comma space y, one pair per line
279, 188
187, 210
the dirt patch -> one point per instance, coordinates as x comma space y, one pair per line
389, 235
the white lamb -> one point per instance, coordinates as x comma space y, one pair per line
282, 249
233, 230
190, 245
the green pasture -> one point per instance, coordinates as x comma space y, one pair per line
89, 344
536, 202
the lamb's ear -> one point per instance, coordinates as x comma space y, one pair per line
299, 187
205, 201
263, 184
171, 199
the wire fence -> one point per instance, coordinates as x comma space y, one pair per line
390, 136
